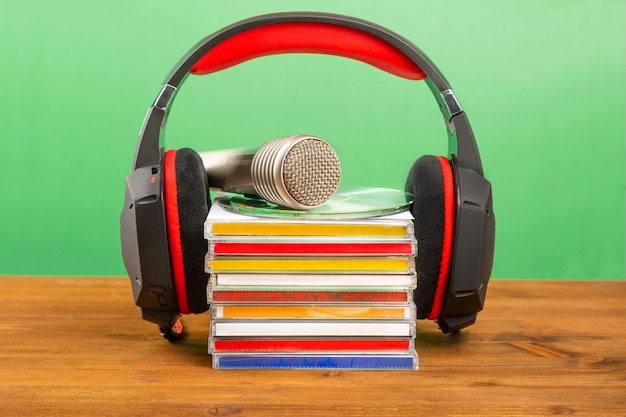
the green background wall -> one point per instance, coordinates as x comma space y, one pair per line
542, 83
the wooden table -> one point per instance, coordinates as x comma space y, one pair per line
76, 346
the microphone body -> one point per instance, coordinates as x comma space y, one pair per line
301, 172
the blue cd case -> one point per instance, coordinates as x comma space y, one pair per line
408, 361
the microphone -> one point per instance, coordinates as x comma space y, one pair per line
300, 172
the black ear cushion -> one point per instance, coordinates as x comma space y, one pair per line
430, 181
187, 204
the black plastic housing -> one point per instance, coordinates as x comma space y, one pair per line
145, 246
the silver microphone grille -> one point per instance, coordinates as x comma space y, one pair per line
301, 172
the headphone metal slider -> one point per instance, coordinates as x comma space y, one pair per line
165, 97
449, 104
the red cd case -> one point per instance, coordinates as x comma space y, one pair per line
318, 296
310, 345
312, 248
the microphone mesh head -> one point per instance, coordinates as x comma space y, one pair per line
300, 172
311, 172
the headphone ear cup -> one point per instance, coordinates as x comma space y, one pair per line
431, 182
187, 203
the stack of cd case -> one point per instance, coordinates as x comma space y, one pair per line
311, 293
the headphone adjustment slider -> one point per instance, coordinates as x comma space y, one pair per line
165, 97
450, 106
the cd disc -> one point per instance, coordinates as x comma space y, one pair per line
348, 202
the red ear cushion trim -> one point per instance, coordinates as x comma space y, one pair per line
170, 196
425, 182
193, 207
448, 238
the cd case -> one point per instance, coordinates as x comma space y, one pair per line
243, 294
311, 345
344, 311
221, 223
408, 361
226, 247
313, 280
336, 265
312, 328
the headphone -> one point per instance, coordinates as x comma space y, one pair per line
167, 200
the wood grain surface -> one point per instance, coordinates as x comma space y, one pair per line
77, 346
